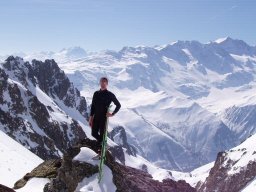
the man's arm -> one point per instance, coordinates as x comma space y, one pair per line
117, 103
92, 109
93, 104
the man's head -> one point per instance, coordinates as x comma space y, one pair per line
103, 82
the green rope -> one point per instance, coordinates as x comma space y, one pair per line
103, 149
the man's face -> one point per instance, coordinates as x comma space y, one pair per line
103, 84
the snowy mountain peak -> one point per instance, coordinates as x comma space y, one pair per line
74, 52
220, 40
236, 46
229, 40
15, 160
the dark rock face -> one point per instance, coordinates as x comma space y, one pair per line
69, 175
5, 189
53, 81
118, 153
26, 118
20, 69
119, 132
15, 125
66, 173
50, 78
128, 179
220, 180
17, 102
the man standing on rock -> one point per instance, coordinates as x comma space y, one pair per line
99, 110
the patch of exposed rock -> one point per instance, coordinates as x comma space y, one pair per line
5, 189
47, 169
220, 180
118, 135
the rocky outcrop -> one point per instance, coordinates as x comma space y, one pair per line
5, 189
53, 81
29, 117
65, 174
233, 169
220, 180
128, 179
47, 169
70, 173
118, 135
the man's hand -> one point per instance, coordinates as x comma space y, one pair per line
91, 121
109, 115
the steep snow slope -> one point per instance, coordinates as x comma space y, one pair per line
15, 160
196, 176
250, 187
235, 107
35, 185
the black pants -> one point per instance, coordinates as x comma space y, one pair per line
98, 127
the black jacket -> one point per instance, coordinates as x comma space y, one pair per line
100, 102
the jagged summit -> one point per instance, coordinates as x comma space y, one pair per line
33, 102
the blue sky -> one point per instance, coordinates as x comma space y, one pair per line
36, 25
